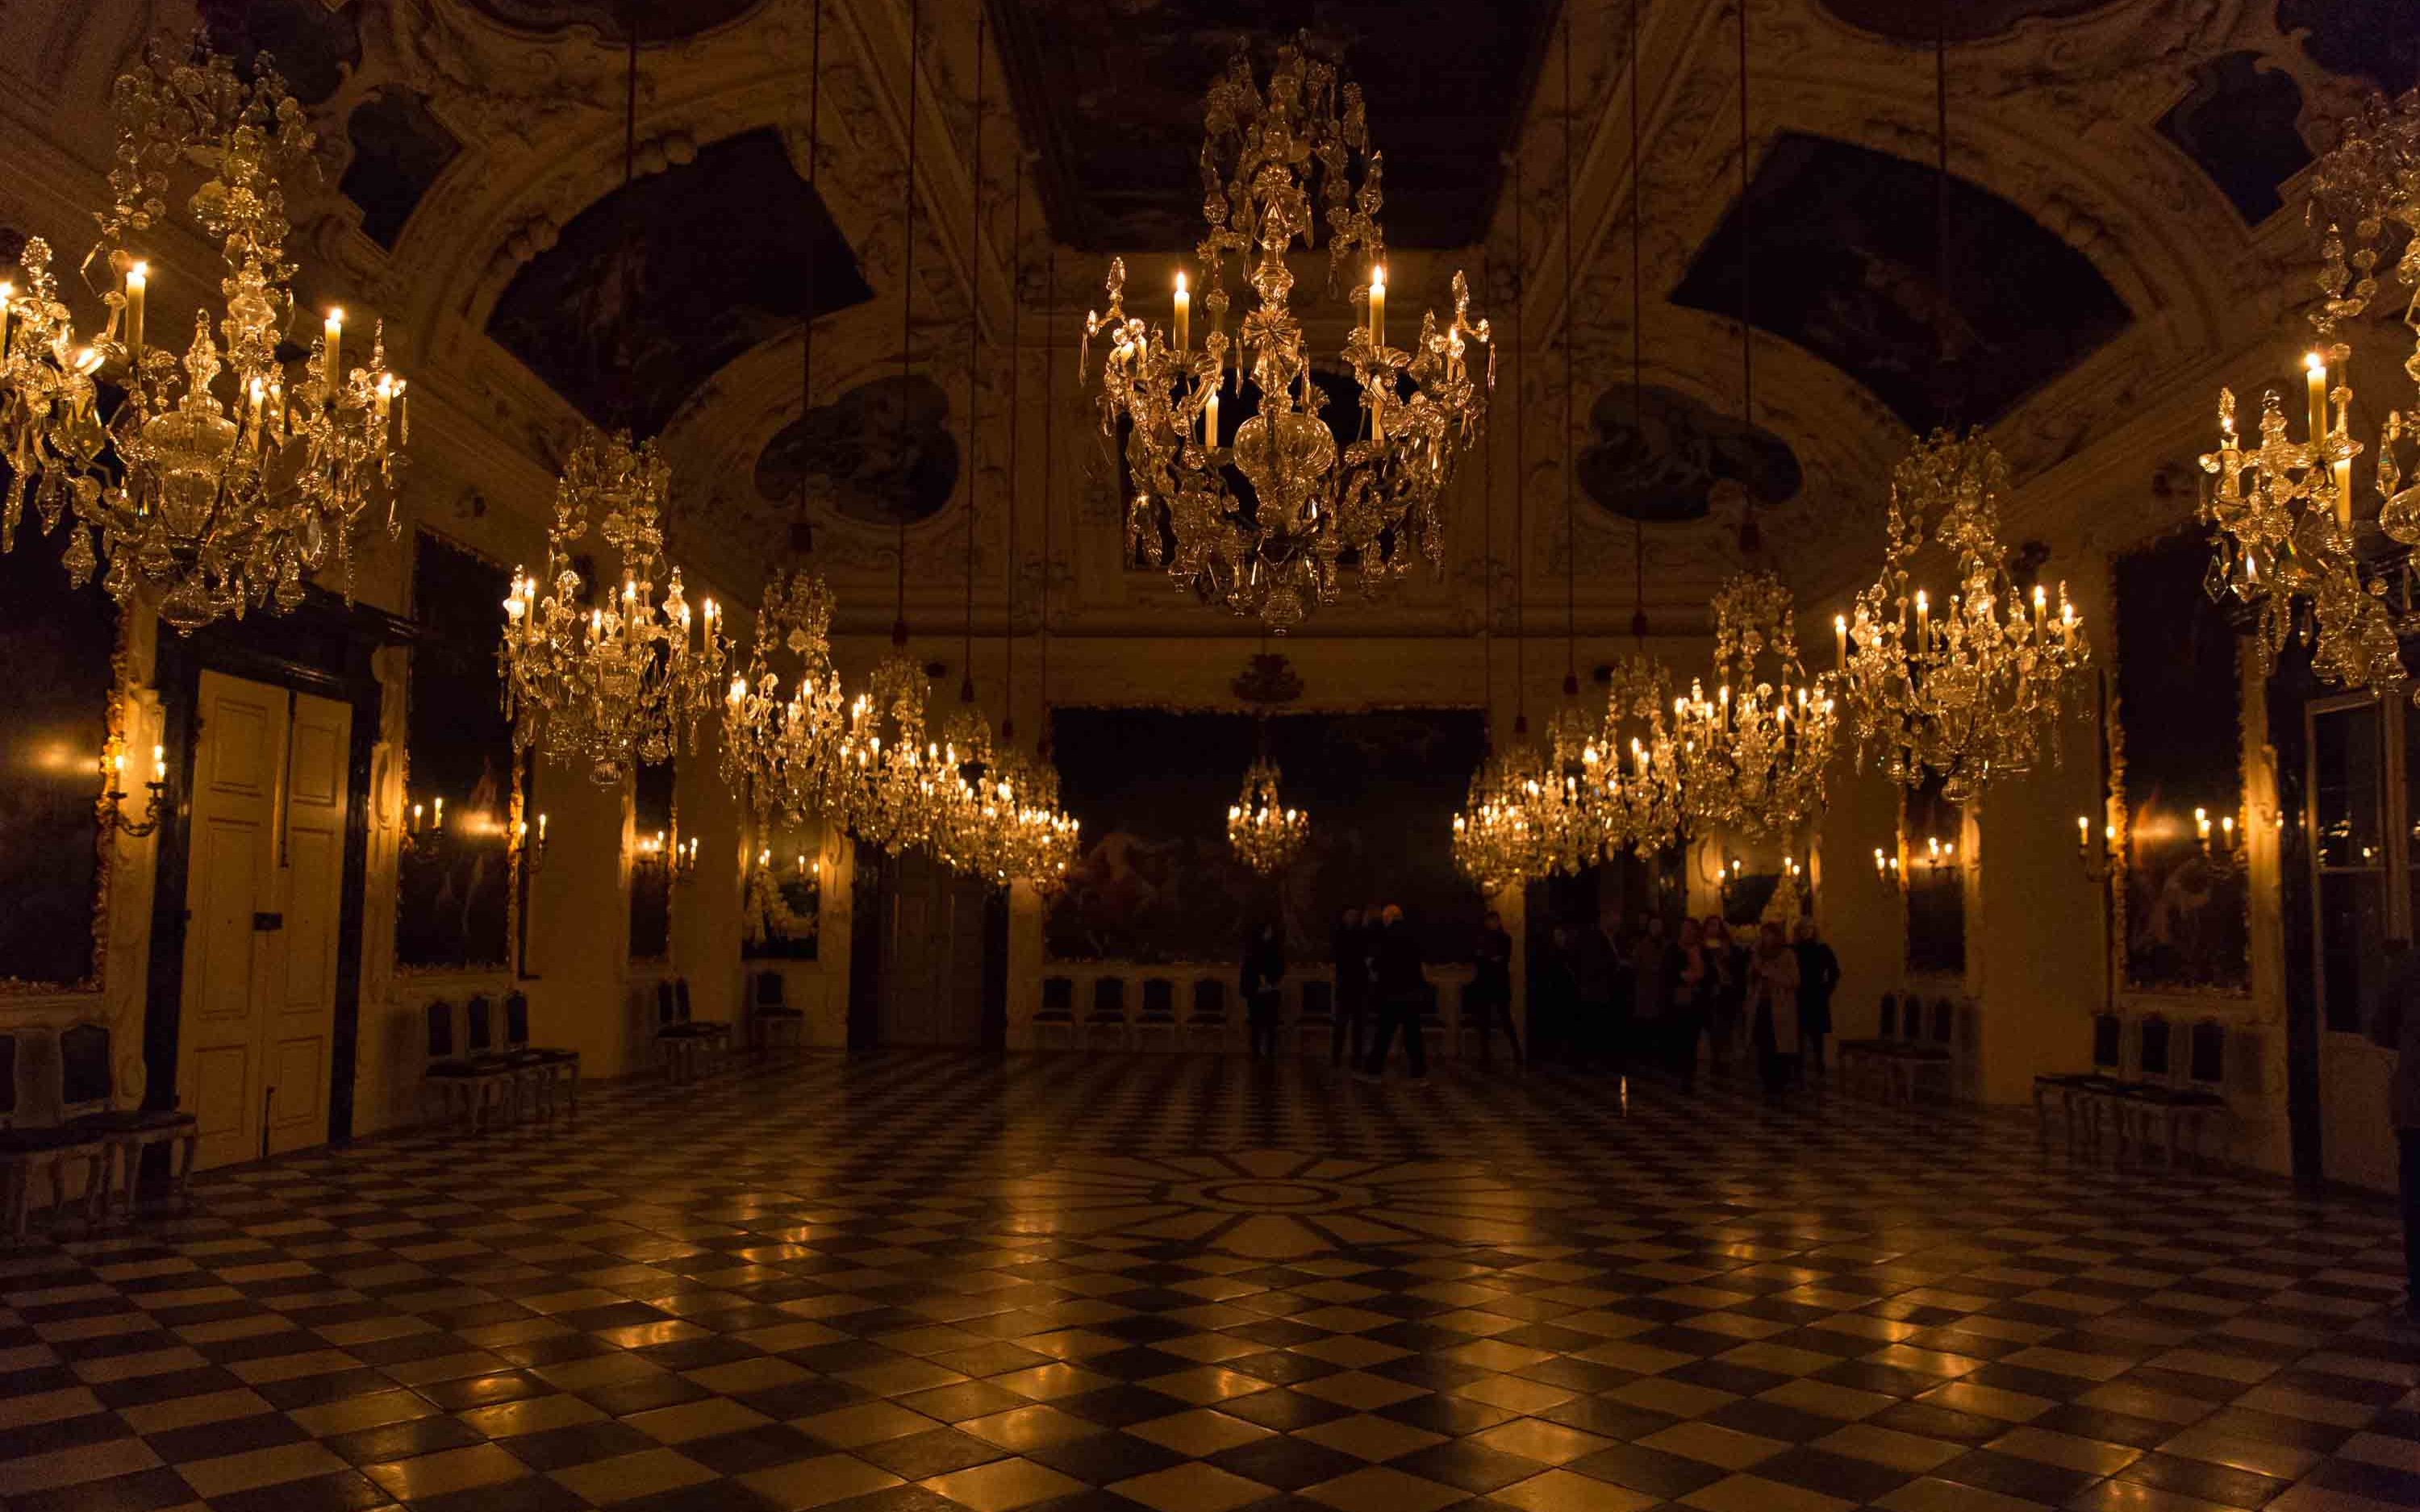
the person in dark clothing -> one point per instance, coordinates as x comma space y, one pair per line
1692, 980
1348, 952
1727, 1007
1819, 973
1651, 991
1491, 988
1593, 963
2395, 1025
1402, 990
1264, 969
1551, 990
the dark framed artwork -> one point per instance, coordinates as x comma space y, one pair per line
453, 883
651, 882
59, 646
2181, 910
781, 909
1156, 881
1937, 885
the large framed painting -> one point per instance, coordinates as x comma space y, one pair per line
781, 912
453, 883
2180, 904
651, 880
59, 646
1157, 882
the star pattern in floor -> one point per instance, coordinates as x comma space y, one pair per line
912, 1282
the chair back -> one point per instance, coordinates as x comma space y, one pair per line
2206, 1056
1944, 1023
680, 996
85, 1083
2107, 1055
1158, 998
2151, 1047
1911, 1018
515, 1020
1108, 997
1209, 998
481, 1038
7, 1080
1058, 995
1886, 1023
769, 989
440, 1029
663, 1004
1318, 998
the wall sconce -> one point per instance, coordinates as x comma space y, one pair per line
2098, 860
530, 849
685, 859
424, 827
1938, 854
677, 860
111, 808
2220, 844
1887, 867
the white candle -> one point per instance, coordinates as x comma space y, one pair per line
1184, 314
139, 278
2316, 368
1923, 619
334, 334
1378, 306
7, 297
1210, 420
1840, 641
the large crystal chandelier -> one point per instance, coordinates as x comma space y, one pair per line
1492, 845
621, 680
221, 477
1039, 843
1962, 689
890, 774
1754, 753
1267, 537
1633, 771
780, 751
1266, 833
2282, 510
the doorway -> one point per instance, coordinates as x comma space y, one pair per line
2363, 756
265, 886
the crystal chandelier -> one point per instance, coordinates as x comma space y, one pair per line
216, 484
1964, 694
1492, 845
780, 753
622, 680
1633, 767
888, 775
1266, 833
1272, 546
1039, 840
1753, 756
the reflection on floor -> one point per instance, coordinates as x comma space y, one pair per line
933, 1281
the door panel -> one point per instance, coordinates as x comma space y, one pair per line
298, 1028
2355, 859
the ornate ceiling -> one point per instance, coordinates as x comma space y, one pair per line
2124, 206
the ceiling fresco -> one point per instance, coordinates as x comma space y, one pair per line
398, 150
1658, 459
2376, 40
658, 21
881, 454
1961, 20
1110, 93
2238, 127
1845, 267
313, 46
649, 292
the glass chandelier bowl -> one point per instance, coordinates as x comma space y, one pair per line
1039, 845
888, 766
1754, 754
1635, 772
1260, 519
1266, 833
1562, 798
1962, 688
623, 679
970, 815
780, 752
222, 477
1492, 843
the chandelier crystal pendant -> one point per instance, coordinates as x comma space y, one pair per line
780, 753
1266, 833
1754, 754
1262, 519
1964, 688
222, 477
626, 678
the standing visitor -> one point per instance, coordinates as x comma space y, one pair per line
1401, 987
1774, 986
1592, 966
1819, 973
2395, 1023
1726, 1008
1348, 952
1264, 969
1693, 988
1651, 991
1491, 988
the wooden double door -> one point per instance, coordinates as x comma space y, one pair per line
264, 899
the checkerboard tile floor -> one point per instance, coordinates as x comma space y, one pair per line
870, 1285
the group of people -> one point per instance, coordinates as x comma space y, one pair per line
1639, 995
1380, 988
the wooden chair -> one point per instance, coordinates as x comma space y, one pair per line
25, 1153
2181, 1112
470, 1081
88, 1105
770, 1013
2075, 1091
681, 1043
1109, 1013
1208, 1020
547, 1067
715, 1033
1315, 1017
1057, 1014
1158, 1015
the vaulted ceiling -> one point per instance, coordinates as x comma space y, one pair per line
2121, 204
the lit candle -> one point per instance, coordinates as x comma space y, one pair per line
2344, 492
2083, 833
2201, 824
541, 829
1841, 639
8, 295
1210, 420
1923, 619
139, 278
1184, 314
402, 416
334, 332
416, 811
1378, 305
440, 815
158, 764
2315, 368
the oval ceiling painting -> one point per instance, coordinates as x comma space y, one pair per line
1661, 467
880, 453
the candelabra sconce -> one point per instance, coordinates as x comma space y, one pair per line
530, 845
1939, 853
1730, 882
424, 827
677, 860
651, 855
2098, 861
2222, 845
111, 808
1888, 868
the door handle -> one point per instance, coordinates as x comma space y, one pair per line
268, 922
